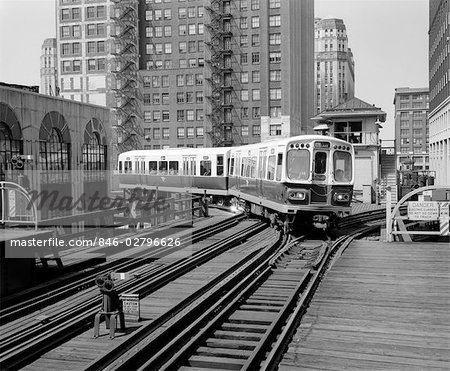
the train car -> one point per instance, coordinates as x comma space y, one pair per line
189, 170
309, 177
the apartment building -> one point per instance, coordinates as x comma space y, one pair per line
84, 47
439, 75
411, 128
225, 72
334, 67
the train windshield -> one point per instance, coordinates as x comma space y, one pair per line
298, 164
342, 163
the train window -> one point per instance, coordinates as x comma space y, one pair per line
127, 168
243, 161
219, 165
271, 168
279, 166
342, 165
136, 167
143, 167
173, 167
193, 166
152, 167
205, 168
320, 163
298, 164
120, 166
232, 167
253, 164
262, 164
162, 168
247, 167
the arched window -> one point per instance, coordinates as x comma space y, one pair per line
11, 143
94, 148
54, 153
54, 147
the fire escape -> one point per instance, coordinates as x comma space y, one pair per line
219, 74
128, 96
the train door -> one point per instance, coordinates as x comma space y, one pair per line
320, 166
189, 170
261, 172
237, 170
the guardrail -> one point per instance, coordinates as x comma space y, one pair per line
423, 212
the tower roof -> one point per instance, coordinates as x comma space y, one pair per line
353, 107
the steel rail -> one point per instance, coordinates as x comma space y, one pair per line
87, 279
36, 341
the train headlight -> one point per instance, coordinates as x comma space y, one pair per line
296, 195
341, 197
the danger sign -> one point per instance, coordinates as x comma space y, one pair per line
423, 210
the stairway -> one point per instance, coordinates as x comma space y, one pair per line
388, 177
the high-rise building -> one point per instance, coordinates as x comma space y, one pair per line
439, 76
334, 69
224, 72
411, 128
84, 45
48, 84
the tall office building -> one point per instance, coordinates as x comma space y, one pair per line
84, 50
225, 72
334, 68
411, 128
439, 75
48, 73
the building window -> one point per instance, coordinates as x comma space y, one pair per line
275, 93
256, 94
165, 133
244, 77
244, 95
255, 4
275, 75
274, 20
244, 113
165, 116
255, 40
275, 130
199, 97
243, 22
275, 111
244, 59
190, 115
275, 57
255, 22
156, 133
199, 132
244, 131
275, 39
180, 133
255, 58
256, 130
190, 132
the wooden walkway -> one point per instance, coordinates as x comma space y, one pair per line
381, 307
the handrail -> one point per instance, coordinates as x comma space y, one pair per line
16, 187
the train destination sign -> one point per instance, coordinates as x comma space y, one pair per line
423, 210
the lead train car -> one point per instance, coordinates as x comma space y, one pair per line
310, 176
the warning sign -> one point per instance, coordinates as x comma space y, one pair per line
131, 307
423, 210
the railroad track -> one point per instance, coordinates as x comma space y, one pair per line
22, 304
21, 344
235, 327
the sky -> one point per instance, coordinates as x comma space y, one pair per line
389, 40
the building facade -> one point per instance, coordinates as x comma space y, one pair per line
49, 71
334, 67
439, 75
411, 128
84, 47
217, 72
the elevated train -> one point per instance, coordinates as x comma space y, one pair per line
307, 177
